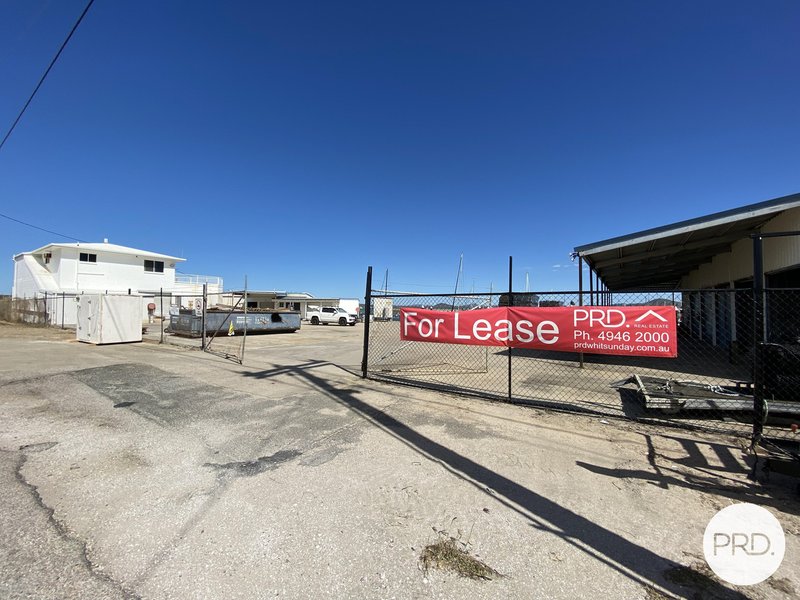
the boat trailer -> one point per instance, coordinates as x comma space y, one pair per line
671, 396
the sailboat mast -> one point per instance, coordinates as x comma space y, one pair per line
458, 276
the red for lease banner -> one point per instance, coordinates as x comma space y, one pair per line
620, 330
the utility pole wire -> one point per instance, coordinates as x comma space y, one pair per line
69, 237
41, 81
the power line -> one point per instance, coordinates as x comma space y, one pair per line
69, 237
41, 81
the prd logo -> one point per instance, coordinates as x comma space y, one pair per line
744, 544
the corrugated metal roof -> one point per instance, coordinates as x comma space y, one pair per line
660, 257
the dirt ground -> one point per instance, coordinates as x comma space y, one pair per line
16, 331
157, 471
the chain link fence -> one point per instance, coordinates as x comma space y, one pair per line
776, 371
470, 369
59, 309
44, 309
711, 384
216, 322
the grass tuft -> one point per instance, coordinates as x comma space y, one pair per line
448, 555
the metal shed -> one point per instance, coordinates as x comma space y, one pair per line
684, 254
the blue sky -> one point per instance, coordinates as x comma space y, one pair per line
299, 142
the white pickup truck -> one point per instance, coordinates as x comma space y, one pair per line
330, 314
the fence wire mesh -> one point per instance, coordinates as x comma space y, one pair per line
47, 309
444, 365
160, 309
709, 385
169, 317
777, 366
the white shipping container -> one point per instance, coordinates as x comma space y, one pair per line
109, 319
351, 305
382, 309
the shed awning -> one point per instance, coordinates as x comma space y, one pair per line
658, 258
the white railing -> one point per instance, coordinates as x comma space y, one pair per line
198, 280
192, 285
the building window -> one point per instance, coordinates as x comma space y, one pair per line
154, 266
86, 257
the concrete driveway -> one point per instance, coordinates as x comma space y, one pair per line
155, 471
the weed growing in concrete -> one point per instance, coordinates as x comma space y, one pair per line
450, 554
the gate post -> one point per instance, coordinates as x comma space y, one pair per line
758, 339
367, 315
580, 298
161, 303
203, 319
510, 304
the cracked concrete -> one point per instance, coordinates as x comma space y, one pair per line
34, 545
251, 468
141, 471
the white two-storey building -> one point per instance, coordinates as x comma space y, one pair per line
62, 271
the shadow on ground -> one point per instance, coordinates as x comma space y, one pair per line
636, 562
690, 468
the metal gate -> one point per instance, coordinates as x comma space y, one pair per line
724, 378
